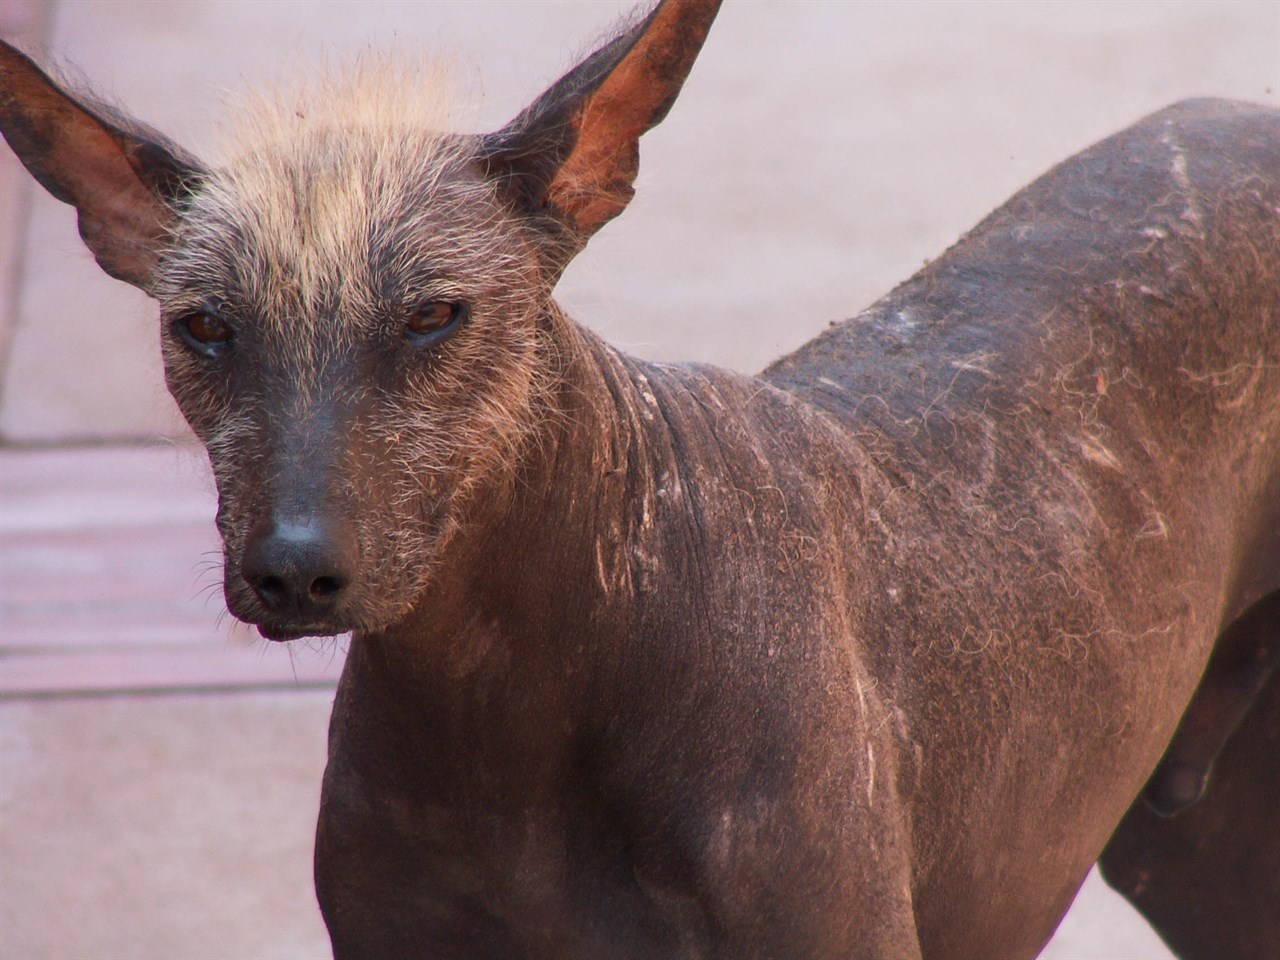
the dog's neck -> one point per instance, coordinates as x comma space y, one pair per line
535, 602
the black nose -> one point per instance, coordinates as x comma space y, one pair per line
299, 569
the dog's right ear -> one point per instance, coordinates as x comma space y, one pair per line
126, 182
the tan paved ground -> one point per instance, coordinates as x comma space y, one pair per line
820, 152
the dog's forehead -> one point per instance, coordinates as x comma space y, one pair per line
352, 181
325, 208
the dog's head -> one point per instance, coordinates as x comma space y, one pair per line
356, 313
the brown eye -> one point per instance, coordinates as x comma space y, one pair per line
205, 331
433, 315
433, 321
208, 329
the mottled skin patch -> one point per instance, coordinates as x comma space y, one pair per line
866, 656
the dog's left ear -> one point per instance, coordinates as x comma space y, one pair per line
569, 161
126, 182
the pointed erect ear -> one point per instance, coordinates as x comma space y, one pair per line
125, 181
570, 159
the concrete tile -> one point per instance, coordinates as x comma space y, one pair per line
161, 828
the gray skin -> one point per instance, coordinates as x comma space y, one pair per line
865, 656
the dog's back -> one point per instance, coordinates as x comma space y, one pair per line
1076, 412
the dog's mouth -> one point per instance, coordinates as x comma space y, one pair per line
284, 625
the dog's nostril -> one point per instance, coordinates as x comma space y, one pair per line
326, 588
271, 587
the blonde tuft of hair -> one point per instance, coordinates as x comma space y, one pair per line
375, 97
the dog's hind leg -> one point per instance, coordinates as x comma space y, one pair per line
1244, 659
1208, 878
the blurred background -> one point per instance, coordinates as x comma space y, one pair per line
159, 767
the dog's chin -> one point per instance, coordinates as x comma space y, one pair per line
284, 632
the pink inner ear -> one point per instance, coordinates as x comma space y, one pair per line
595, 183
122, 221
82, 160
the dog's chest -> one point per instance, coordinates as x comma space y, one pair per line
489, 879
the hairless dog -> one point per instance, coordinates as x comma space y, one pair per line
870, 655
